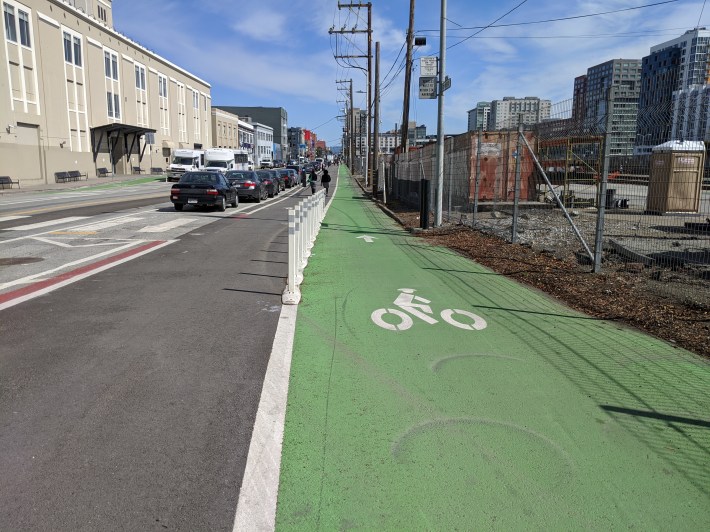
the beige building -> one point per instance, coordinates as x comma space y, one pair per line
77, 95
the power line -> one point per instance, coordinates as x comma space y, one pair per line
493, 25
488, 26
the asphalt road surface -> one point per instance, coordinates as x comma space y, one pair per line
127, 398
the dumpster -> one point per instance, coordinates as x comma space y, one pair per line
676, 177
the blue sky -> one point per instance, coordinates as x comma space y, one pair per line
279, 52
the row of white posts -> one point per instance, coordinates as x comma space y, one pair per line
303, 226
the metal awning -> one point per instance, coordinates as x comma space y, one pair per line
116, 131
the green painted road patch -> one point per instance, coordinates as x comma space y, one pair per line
539, 418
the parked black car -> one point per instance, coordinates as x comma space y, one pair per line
272, 183
289, 175
204, 189
248, 184
280, 179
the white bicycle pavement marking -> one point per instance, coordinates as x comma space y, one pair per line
419, 308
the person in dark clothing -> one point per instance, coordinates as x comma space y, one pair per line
325, 181
313, 179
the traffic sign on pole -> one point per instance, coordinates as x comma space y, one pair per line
427, 88
428, 66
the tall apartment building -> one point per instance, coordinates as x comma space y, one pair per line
78, 95
478, 116
579, 98
616, 81
691, 101
508, 112
672, 78
274, 117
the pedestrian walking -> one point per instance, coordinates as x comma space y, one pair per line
313, 180
325, 181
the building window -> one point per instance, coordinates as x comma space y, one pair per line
163, 103
116, 106
67, 48
102, 13
77, 51
140, 77
10, 31
111, 65
72, 49
25, 29
109, 103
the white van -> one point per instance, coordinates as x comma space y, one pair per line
221, 159
184, 161
266, 162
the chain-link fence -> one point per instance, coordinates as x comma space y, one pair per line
610, 189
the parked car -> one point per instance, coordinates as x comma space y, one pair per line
280, 179
266, 162
248, 184
278, 163
290, 176
204, 189
271, 182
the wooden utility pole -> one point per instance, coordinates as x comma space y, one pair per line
349, 125
369, 73
408, 79
352, 131
376, 151
369, 87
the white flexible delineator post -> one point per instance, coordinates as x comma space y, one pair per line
304, 223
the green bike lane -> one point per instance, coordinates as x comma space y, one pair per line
545, 418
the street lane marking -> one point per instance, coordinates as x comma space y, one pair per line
10, 218
46, 286
39, 276
106, 224
40, 225
166, 226
256, 508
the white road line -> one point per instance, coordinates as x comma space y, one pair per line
10, 218
269, 204
39, 225
81, 276
38, 276
110, 223
256, 509
166, 226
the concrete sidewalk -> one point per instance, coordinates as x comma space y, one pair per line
83, 183
429, 393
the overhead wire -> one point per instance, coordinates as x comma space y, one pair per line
599, 13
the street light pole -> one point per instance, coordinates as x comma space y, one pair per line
440, 121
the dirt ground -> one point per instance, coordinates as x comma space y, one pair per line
622, 293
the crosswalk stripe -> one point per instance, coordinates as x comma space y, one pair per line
109, 223
10, 218
39, 225
166, 226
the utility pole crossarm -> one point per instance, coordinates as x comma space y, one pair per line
331, 31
